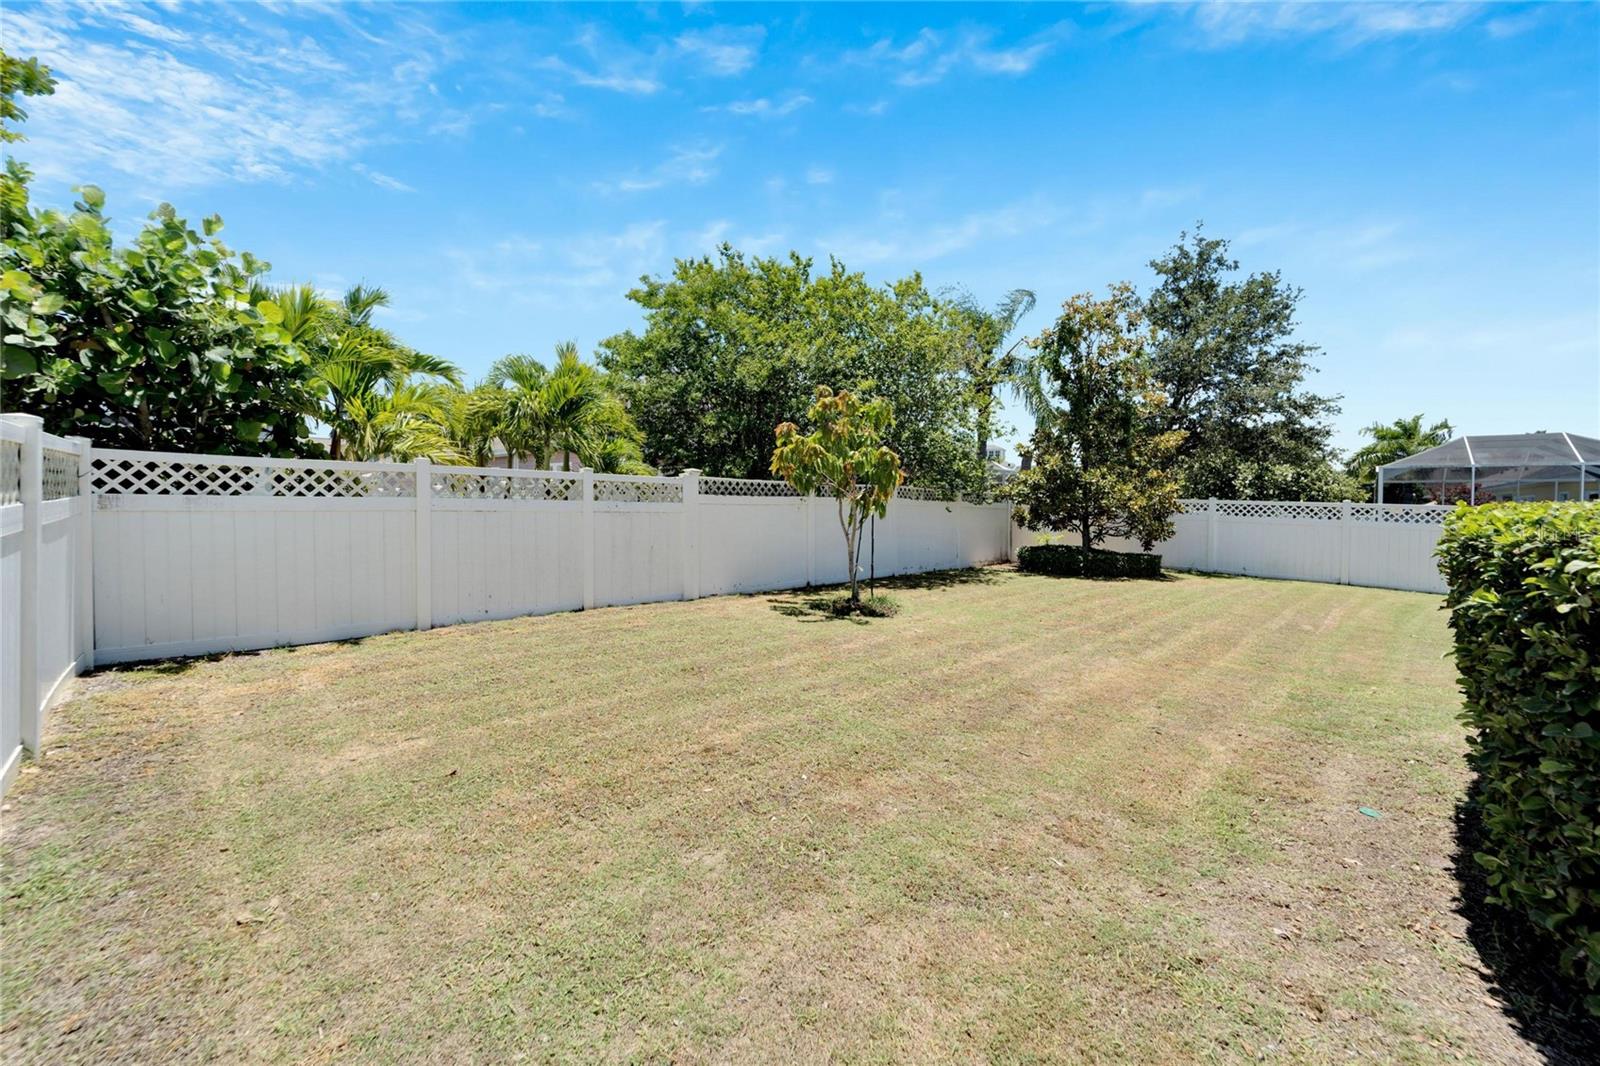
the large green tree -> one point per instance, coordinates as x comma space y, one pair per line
1224, 352
1101, 463
157, 345
733, 346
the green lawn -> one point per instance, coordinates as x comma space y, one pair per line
1026, 819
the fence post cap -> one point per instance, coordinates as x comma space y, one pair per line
25, 421
690, 472
422, 460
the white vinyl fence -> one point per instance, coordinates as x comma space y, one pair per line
1382, 545
198, 554
46, 608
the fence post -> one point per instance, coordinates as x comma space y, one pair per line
690, 536
586, 476
1344, 542
807, 508
424, 538
1211, 534
31, 496
84, 565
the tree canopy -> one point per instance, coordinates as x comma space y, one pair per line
1224, 353
734, 346
156, 345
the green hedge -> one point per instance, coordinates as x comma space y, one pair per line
1524, 580
1066, 560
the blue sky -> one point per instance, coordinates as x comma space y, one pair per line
1429, 174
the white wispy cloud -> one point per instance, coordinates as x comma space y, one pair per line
764, 106
933, 54
586, 268
687, 165
381, 179
1223, 25
724, 51
141, 93
819, 176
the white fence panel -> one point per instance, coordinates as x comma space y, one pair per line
1388, 546
752, 536
45, 636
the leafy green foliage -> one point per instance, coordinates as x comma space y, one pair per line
843, 457
1224, 353
20, 77
158, 345
734, 346
1524, 583
1392, 442
1101, 461
1068, 560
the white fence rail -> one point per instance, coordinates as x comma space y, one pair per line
46, 604
1381, 545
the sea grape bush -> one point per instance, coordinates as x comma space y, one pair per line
1523, 581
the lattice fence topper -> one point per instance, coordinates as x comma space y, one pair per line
506, 487
113, 475
1399, 516
1314, 512
60, 473
919, 492
10, 471
638, 491
738, 486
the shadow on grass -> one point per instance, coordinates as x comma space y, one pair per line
816, 604
1526, 980
183, 664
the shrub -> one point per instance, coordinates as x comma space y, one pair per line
1523, 581
1067, 560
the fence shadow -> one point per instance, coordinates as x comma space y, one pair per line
1525, 979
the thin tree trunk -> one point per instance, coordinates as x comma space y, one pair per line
847, 525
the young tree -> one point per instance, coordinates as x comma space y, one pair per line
1224, 354
1101, 463
843, 457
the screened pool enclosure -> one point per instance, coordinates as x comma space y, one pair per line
1516, 466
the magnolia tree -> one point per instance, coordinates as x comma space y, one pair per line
1102, 464
843, 457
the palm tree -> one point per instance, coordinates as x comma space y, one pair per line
991, 364
406, 423
1398, 439
354, 364
570, 407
